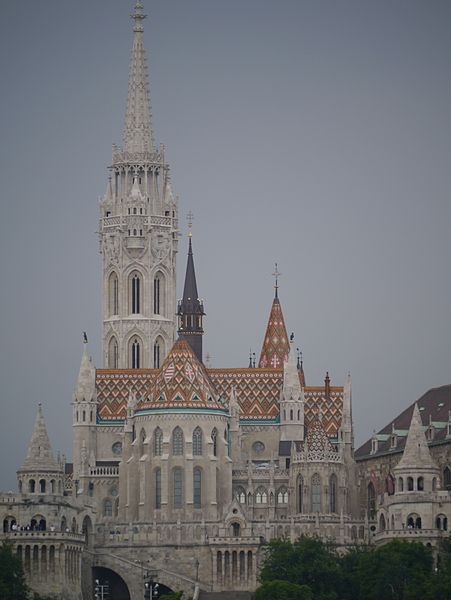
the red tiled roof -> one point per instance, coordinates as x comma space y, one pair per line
276, 346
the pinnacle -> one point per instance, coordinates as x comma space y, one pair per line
416, 451
39, 455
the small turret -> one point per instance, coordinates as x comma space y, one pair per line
40, 472
291, 400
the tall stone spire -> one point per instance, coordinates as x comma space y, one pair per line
416, 456
40, 455
275, 348
138, 130
191, 309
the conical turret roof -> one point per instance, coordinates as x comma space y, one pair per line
39, 455
85, 389
416, 454
183, 383
276, 346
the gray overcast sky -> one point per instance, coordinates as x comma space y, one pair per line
312, 133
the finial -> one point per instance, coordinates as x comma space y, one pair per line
85, 337
276, 276
292, 336
138, 17
189, 218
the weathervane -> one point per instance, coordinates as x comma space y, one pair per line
276, 276
189, 218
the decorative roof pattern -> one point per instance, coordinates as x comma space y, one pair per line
317, 446
182, 382
275, 347
257, 390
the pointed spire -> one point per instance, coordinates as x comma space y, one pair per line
275, 348
40, 455
346, 429
85, 389
416, 455
300, 366
138, 130
191, 309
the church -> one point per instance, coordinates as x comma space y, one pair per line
181, 472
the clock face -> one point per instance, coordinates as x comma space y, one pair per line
117, 448
258, 447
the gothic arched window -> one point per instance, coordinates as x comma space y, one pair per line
113, 353
371, 500
177, 489
197, 487
316, 493
447, 478
158, 294
107, 508
214, 437
282, 496
158, 488
197, 442
410, 484
333, 494
113, 294
158, 352
300, 493
177, 442
136, 292
261, 496
158, 442
135, 353
240, 495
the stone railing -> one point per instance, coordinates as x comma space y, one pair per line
104, 471
118, 221
409, 534
42, 535
8, 499
318, 456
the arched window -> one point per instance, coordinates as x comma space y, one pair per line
390, 484
400, 484
447, 478
135, 353
158, 488
420, 484
382, 523
291, 414
113, 295
42, 486
282, 496
434, 484
316, 493
214, 437
410, 484
177, 475
142, 439
31, 486
107, 508
371, 500
158, 352
300, 487
236, 529
418, 523
158, 442
113, 353
197, 442
240, 495
158, 294
261, 496
197, 487
135, 293
333, 493
177, 442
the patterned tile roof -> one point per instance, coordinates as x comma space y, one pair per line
257, 390
276, 346
182, 382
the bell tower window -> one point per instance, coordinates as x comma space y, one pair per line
113, 294
156, 295
135, 293
135, 351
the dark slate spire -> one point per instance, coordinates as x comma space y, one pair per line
191, 309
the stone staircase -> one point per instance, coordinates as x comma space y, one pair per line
225, 596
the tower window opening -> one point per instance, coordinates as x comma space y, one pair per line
140, 211
214, 438
136, 358
177, 492
136, 293
158, 488
158, 442
177, 442
156, 355
197, 442
156, 295
316, 493
134, 211
135, 233
197, 487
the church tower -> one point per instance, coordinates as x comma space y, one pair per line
138, 234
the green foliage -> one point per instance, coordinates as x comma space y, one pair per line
399, 570
307, 562
172, 596
282, 590
12, 579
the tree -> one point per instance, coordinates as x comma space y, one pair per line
308, 562
12, 578
282, 590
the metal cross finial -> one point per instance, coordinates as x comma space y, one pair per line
189, 218
276, 276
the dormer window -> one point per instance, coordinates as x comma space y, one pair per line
430, 433
374, 445
393, 441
